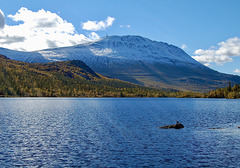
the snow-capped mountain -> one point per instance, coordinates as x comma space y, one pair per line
135, 59
30, 57
121, 49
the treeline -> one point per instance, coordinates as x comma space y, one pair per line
230, 92
76, 79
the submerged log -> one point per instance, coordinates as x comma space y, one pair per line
175, 126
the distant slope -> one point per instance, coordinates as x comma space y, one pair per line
68, 79
142, 61
30, 57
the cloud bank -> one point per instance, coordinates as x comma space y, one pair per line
96, 26
2, 19
39, 30
220, 54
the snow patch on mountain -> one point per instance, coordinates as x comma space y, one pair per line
30, 57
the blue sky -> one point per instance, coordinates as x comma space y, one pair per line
206, 29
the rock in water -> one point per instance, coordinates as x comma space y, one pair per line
175, 126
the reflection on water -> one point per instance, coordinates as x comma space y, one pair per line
91, 132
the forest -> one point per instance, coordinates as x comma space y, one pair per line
76, 79
229, 92
63, 79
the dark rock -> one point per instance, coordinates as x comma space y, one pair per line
175, 126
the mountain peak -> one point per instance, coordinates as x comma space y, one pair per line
135, 48
126, 39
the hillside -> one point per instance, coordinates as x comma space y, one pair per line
142, 61
137, 60
63, 79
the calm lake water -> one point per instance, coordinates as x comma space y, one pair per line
113, 132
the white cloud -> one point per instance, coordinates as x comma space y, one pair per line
96, 26
39, 30
208, 59
125, 26
94, 36
184, 46
237, 71
220, 54
2, 19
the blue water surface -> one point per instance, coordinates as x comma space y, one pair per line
119, 132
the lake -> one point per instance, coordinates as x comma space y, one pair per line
119, 132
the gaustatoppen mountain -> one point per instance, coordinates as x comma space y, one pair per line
142, 61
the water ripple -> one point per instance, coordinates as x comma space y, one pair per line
65, 132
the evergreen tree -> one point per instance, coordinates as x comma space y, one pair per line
229, 88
